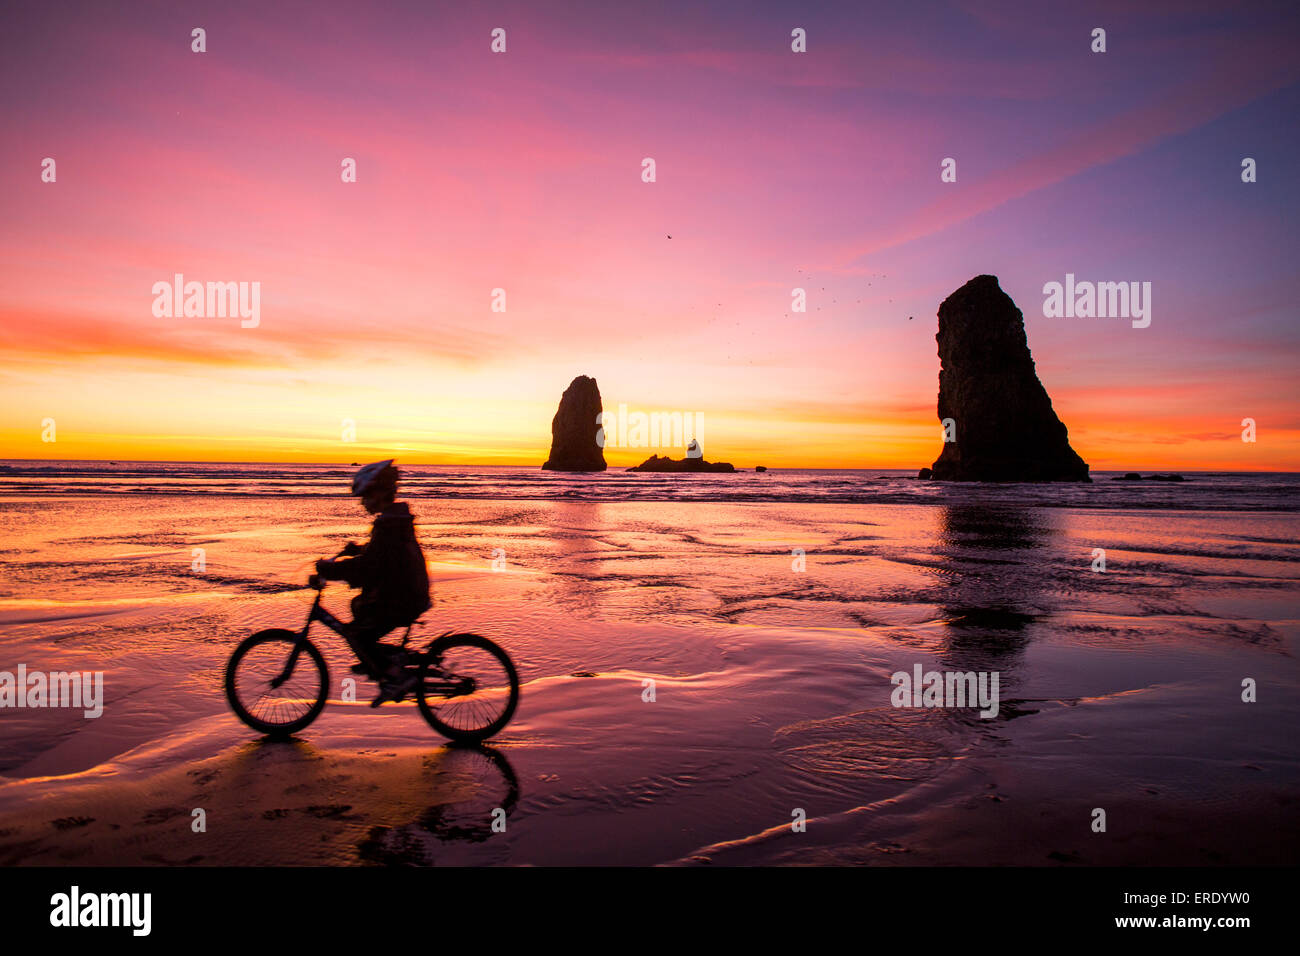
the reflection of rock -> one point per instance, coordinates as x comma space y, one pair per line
574, 445
1005, 427
655, 463
995, 587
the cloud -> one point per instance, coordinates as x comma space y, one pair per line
57, 338
1224, 83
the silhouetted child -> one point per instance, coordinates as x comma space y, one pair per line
391, 573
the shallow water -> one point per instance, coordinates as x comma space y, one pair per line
1119, 688
1231, 491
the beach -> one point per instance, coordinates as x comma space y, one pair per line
767, 621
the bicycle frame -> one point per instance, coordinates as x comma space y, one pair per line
450, 687
317, 613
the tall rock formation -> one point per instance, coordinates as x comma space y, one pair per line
1001, 417
573, 429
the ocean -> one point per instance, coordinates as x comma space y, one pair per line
704, 659
1228, 491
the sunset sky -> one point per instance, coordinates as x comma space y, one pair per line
522, 171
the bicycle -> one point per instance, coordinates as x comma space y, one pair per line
271, 690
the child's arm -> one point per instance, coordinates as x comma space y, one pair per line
333, 569
360, 570
355, 571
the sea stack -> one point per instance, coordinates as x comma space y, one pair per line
574, 444
998, 419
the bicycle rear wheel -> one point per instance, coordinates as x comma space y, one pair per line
263, 696
468, 687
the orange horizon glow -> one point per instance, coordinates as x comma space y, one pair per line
913, 445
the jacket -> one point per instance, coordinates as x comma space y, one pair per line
390, 571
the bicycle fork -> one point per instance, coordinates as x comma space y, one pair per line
292, 662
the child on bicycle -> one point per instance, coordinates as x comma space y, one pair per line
392, 575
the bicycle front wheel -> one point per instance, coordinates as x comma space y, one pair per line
468, 687
267, 698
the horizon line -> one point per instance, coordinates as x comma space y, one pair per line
770, 468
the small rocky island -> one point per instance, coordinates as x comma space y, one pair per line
693, 463
999, 415
683, 465
574, 444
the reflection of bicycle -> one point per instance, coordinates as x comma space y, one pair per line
474, 787
465, 685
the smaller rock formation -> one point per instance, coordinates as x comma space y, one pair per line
682, 465
925, 474
1134, 476
760, 469
574, 429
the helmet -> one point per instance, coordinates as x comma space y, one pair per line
373, 476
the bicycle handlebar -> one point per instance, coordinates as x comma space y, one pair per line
316, 581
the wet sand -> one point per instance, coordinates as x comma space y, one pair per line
772, 692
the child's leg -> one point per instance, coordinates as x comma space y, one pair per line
376, 657
364, 640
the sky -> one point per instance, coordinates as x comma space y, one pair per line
523, 171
